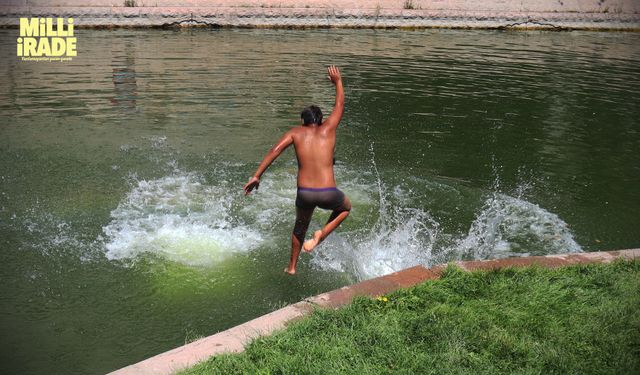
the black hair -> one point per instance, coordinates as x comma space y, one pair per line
311, 115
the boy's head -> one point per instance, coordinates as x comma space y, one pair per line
311, 115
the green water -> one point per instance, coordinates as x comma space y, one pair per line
123, 228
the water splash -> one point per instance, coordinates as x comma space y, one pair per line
51, 235
182, 219
178, 218
507, 226
406, 234
401, 237
185, 220
408, 240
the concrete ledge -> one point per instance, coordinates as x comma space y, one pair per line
374, 287
449, 14
234, 339
229, 341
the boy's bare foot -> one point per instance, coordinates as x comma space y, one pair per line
309, 245
290, 272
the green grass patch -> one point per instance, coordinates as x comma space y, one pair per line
581, 319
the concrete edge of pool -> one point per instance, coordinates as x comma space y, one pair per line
234, 339
492, 14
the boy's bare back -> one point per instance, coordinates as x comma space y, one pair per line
314, 147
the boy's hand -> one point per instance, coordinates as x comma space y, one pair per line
254, 182
334, 74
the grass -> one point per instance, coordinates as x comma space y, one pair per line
576, 320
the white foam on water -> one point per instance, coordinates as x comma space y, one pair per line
178, 218
401, 237
406, 241
405, 236
272, 205
507, 226
182, 219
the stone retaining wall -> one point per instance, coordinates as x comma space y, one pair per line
546, 14
234, 339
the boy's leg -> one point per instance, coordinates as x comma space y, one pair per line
303, 217
337, 216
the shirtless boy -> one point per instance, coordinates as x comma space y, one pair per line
314, 142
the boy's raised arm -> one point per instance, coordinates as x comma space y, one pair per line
338, 108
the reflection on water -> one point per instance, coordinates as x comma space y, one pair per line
124, 78
122, 218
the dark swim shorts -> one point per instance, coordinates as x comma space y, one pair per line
326, 198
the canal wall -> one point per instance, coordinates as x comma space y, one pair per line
491, 14
233, 340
